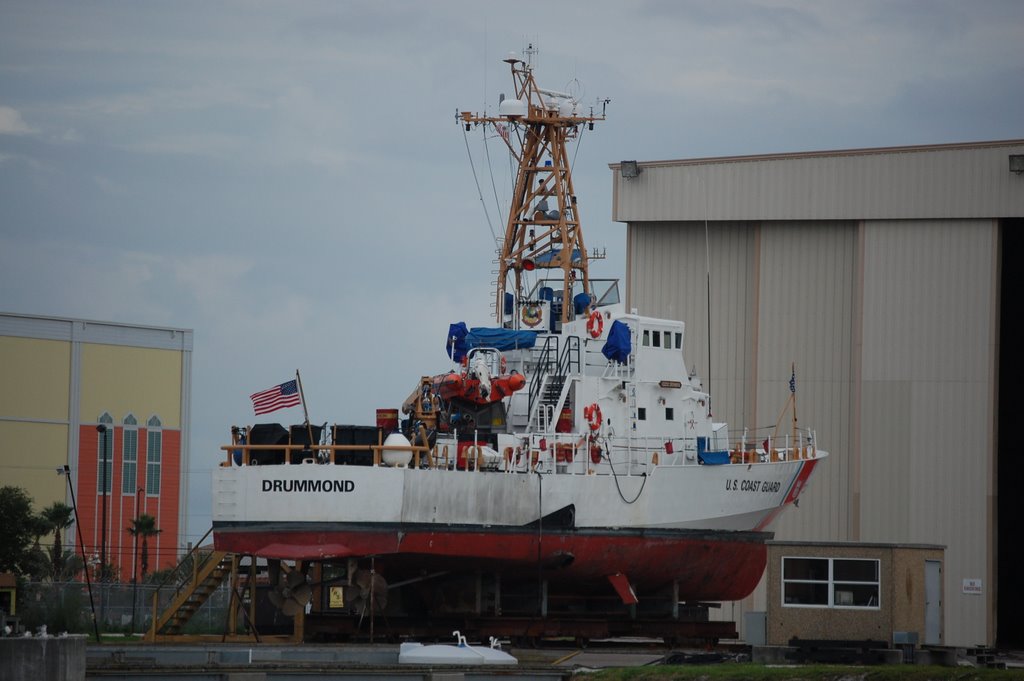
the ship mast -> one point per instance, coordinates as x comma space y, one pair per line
543, 227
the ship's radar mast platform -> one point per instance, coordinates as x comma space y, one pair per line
543, 228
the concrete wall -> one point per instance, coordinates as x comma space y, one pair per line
42, 659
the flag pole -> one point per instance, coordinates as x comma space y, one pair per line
305, 412
792, 387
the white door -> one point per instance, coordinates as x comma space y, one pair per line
933, 602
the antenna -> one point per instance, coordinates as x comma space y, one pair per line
530, 52
543, 230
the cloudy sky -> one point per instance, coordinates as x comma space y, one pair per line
287, 178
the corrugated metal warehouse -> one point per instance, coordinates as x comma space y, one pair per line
886, 276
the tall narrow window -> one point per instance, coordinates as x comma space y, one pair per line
105, 455
154, 449
129, 454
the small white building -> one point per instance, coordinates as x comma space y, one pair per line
887, 276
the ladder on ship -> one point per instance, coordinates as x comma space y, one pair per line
194, 580
552, 381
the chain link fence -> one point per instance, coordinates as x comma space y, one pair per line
65, 606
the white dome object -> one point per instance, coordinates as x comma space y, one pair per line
512, 108
396, 458
567, 108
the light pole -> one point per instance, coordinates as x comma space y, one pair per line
135, 559
66, 472
103, 430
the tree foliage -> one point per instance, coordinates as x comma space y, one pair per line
144, 526
59, 517
17, 530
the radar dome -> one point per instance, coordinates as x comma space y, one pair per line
512, 108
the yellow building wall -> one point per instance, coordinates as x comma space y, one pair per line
30, 454
120, 380
36, 375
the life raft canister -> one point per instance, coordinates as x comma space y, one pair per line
595, 324
592, 413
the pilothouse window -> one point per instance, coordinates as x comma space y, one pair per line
679, 341
657, 339
647, 338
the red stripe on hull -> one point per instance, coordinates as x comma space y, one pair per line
706, 566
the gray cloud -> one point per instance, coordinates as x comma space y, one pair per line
289, 180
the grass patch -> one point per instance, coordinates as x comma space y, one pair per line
744, 671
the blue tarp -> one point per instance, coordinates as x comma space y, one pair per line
462, 340
618, 346
714, 457
455, 344
547, 257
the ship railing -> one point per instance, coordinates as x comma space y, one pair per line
764, 445
327, 454
555, 453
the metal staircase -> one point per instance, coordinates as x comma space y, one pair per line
206, 578
552, 380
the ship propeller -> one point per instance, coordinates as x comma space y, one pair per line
290, 590
372, 588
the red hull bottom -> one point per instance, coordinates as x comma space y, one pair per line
704, 565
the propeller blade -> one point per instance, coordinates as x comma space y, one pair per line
291, 607
303, 593
295, 578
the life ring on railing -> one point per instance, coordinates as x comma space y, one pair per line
503, 366
592, 413
595, 324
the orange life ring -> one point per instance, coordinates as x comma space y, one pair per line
503, 366
592, 414
595, 324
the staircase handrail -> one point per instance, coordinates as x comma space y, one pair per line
174, 574
543, 366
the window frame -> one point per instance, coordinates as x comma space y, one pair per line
154, 455
129, 455
831, 582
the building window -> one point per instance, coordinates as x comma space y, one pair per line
154, 450
129, 454
830, 582
105, 455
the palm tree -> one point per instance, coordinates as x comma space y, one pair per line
59, 517
144, 526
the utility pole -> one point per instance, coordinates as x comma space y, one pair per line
105, 432
65, 470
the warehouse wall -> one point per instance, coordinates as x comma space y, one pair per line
891, 328
928, 400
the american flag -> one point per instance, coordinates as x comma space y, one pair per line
502, 130
792, 381
278, 397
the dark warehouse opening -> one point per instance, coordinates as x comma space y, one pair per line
1009, 471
